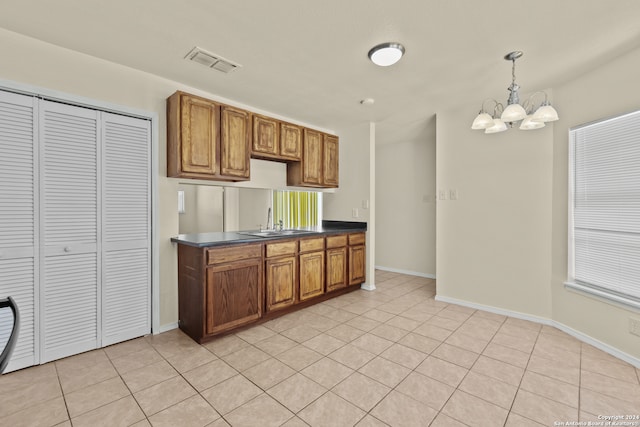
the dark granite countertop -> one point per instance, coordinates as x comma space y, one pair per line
202, 240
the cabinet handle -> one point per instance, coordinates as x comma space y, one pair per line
67, 248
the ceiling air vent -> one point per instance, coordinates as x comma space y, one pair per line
211, 60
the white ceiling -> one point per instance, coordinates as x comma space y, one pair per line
308, 59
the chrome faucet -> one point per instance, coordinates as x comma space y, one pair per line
268, 218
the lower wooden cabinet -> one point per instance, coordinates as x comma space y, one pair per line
281, 274
219, 288
281, 282
223, 287
336, 268
357, 256
311, 275
233, 294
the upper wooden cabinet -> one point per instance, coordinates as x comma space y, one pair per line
319, 164
275, 140
207, 140
235, 148
193, 137
266, 134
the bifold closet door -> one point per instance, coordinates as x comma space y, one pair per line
18, 236
126, 231
69, 230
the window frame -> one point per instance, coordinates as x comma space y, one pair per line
603, 293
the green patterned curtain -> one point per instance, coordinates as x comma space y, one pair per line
296, 209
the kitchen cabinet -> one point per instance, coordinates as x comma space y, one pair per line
336, 262
290, 142
312, 268
235, 148
275, 140
207, 140
222, 286
319, 164
330, 166
219, 288
281, 274
357, 257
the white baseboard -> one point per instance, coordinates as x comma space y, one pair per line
165, 328
409, 272
545, 321
368, 286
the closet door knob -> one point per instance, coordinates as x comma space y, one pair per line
67, 248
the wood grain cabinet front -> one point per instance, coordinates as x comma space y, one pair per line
282, 272
276, 140
206, 139
319, 166
312, 268
233, 294
219, 288
357, 258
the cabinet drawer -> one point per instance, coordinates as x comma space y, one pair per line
310, 245
336, 241
356, 239
235, 253
281, 248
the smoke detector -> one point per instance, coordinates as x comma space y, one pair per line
211, 60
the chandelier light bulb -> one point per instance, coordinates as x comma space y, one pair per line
515, 111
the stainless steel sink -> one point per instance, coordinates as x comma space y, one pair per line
274, 233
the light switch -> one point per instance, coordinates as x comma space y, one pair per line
442, 195
453, 194
365, 204
355, 213
180, 202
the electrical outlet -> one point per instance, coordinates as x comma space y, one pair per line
355, 213
634, 326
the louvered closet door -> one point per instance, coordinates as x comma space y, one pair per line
18, 237
69, 230
126, 243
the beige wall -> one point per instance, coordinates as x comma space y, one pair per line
493, 242
607, 91
503, 243
406, 206
31, 62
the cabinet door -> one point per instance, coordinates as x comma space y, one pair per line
281, 282
199, 139
311, 275
336, 268
233, 294
312, 157
290, 141
235, 145
330, 161
357, 256
266, 135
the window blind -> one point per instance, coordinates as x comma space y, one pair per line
605, 206
297, 209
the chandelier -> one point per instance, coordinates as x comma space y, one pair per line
529, 114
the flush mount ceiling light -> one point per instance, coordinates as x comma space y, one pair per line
386, 54
528, 114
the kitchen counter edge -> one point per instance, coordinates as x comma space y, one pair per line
223, 238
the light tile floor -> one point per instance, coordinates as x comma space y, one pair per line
394, 357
